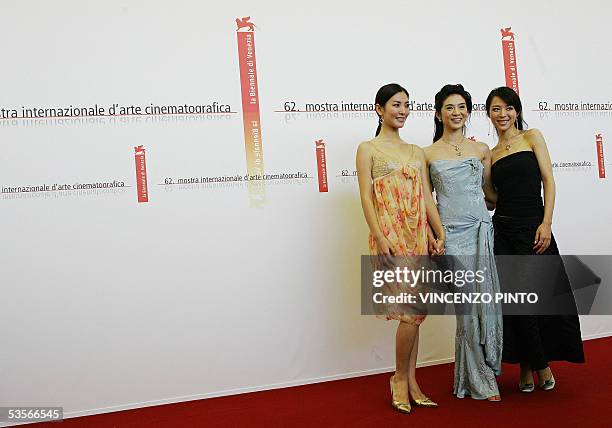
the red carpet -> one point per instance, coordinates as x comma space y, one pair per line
580, 399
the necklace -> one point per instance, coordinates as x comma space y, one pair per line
510, 141
456, 146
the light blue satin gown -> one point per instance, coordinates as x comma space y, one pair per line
469, 232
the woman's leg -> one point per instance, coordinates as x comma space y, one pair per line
405, 340
413, 385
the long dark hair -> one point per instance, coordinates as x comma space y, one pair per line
512, 99
383, 95
441, 96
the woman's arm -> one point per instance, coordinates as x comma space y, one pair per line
431, 240
543, 235
488, 188
433, 217
364, 176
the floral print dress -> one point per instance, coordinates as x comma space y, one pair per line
397, 193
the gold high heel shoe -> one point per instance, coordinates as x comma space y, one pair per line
398, 405
425, 402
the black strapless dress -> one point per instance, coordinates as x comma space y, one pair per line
533, 339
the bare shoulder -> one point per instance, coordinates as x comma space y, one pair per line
364, 147
427, 150
483, 148
418, 151
533, 134
534, 137
422, 153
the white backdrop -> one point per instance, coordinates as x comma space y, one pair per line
215, 289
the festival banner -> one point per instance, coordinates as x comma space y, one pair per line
600, 156
321, 165
245, 32
141, 174
510, 63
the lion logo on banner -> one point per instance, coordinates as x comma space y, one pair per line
320, 144
139, 150
507, 33
598, 137
244, 23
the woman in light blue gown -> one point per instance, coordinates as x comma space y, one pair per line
460, 171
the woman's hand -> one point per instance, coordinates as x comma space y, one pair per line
384, 245
431, 239
542, 238
431, 247
435, 245
438, 245
385, 251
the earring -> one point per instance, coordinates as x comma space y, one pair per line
489, 131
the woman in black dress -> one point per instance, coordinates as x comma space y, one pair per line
522, 221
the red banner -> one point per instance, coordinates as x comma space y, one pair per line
245, 32
510, 64
600, 156
141, 174
321, 165
250, 96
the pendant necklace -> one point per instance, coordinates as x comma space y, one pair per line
456, 146
508, 145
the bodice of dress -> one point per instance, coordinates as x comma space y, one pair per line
399, 203
383, 164
458, 185
518, 182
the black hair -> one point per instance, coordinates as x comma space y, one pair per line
384, 94
511, 98
441, 96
